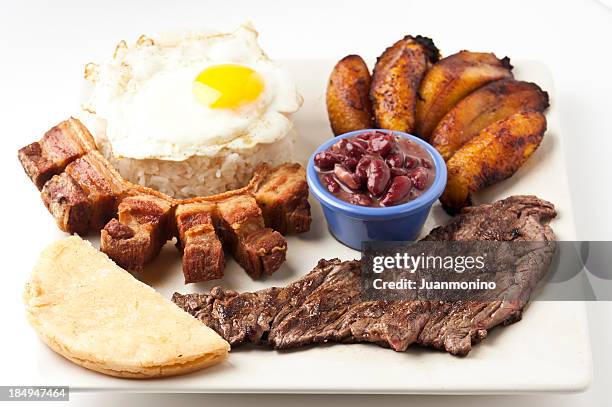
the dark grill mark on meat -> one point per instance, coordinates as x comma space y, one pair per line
326, 305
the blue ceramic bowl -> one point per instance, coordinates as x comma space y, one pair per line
354, 224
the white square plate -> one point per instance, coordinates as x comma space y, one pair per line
547, 351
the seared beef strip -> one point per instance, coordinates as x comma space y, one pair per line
327, 305
83, 192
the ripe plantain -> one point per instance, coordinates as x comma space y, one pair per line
494, 101
348, 103
450, 80
395, 81
496, 153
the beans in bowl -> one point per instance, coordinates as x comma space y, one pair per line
375, 169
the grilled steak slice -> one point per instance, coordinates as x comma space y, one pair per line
515, 218
203, 257
60, 146
139, 234
259, 250
282, 196
327, 304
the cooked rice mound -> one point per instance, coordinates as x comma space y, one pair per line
197, 175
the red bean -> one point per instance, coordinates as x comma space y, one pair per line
395, 159
350, 163
362, 167
339, 146
411, 162
360, 199
426, 163
381, 144
330, 183
378, 176
398, 190
361, 143
348, 148
326, 160
419, 178
396, 172
348, 178
354, 149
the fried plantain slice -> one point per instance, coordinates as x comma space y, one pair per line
494, 101
450, 80
348, 103
495, 154
396, 79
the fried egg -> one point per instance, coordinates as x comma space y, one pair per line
191, 94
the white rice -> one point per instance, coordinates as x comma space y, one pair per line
197, 175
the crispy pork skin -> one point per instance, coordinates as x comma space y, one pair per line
327, 304
203, 257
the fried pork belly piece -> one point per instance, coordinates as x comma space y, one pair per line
259, 250
67, 203
59, 147
84, 197
101, 185
282, 196
203, 257
140, 233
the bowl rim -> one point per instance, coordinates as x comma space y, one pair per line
426, 200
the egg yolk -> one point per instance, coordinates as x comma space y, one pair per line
227, 86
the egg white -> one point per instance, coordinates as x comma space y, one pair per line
145, 96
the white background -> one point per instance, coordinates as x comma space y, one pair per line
45, 44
